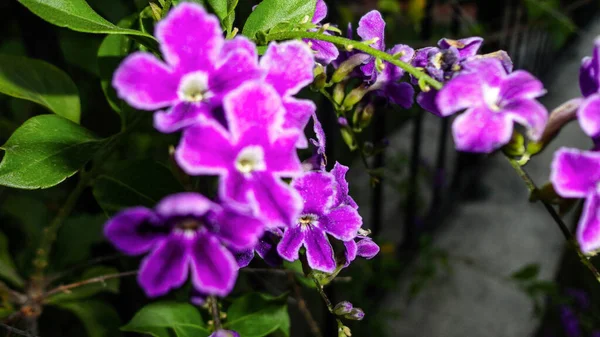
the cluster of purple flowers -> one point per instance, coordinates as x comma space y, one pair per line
240, 121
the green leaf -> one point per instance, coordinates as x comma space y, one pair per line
98, 318
40, 82
528, 272
80, 49
225, 10
296, 266
75, 239
168, 319
89, 290
257, 315
76, 15
8, 271
112, 51
270, 13
44, 151
134, 183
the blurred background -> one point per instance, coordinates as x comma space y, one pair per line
463, 253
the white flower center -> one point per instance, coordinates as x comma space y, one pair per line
307, 221
193, 87
189, 227
491, 97
250, 159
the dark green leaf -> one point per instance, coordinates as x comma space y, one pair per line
257, 315
134, 183
7, 266
296, 266
75, 239
40, 82
76, 15
270, 13
44, 151
80, 49
168, 319
528, 272
225, 10
88, 290
98, 318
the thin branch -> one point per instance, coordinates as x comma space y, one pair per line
561, 224
327, 301
214, 310
312, 323
86, 264
19, 332
103, 278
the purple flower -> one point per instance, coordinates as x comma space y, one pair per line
570, 322
251, 157
266, 248
576, 174
318, 160
444, 61
589, 83
365, 247
184, 232
325, 212
493, 100
201, 68
371, 28
325, 51
288, 67
224, 333
581, 297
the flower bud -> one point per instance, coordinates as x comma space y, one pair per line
344, 331
339, 91
356, 314
348, 66
362, 116
342, 121
355, 96
343, 308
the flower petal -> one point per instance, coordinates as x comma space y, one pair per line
214, 268
490, 70
267, 249
481, 130
166, 267
297, 115
320, 12
282, 158
239, 42
239, 230
205, 149
180, 116
588, 229
462, 92
426, 100
184, 204
350, 252
342, 196
190, 39
343, 222
290, 243
256, 106
276, 202
126, 230
588, 115
288, 66
317, 190
400, 93
367, 248
521, 85
575, 173
589, 73
529, 113
145, 83
326, 52
466, 47
244, 257
319, 253
371, 26
238, 67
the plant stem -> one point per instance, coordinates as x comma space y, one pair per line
98, 279
352, 44
312, 323
561, 224
214, 310
326, 300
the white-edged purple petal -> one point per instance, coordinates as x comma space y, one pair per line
282, 158
225, 333
239, 43
238, 67
319, 252
400, 93
462, 92
529, 113
481, 130
466, 47
134, 230
575, 173
372, 26
290, 243
588, 115
237, 229
351, 250
588, 229
490, 70
184, 204
342, 222
145, 83
589, 73
244, 257
205, 148
267, 249
276, 202
297, 115
426, 100
166, 267
342, 197
367, 248
190, 39
326, 52
181, 115
520, 85
214, 268
288, 66
317, 190
320, 12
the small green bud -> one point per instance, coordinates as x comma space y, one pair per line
339, 92
516, 145
349, 139
355, 96
379, 65
348, 66
356, 314
343, 308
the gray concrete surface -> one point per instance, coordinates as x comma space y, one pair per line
500, 234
